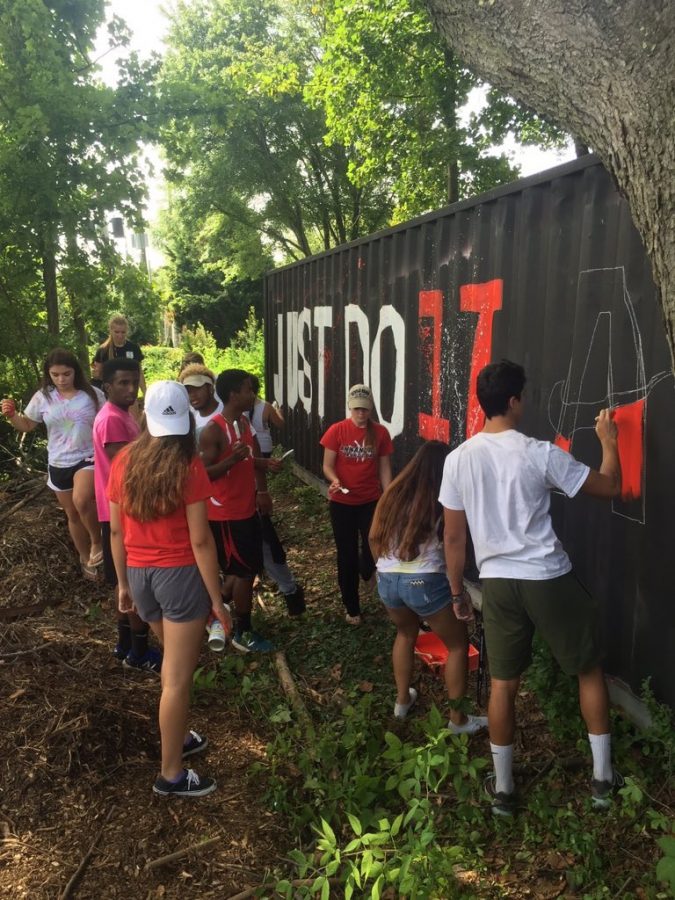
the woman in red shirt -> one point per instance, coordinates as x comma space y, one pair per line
166, 564
356, 462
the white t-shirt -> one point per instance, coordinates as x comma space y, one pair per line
69, 424
202, 421
503, 482
262, 430
430, 559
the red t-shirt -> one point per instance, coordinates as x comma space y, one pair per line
164, 542
357, 465
233, 494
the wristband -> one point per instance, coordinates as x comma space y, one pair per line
262, 492
459, 598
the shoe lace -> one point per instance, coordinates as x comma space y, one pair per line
192, 778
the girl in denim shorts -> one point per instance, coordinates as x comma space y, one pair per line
406, 539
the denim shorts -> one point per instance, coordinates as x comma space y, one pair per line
425, 593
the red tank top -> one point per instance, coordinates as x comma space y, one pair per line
233, 494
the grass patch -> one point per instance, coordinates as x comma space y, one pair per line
378, 808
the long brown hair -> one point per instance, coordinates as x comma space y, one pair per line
107, 344
59, 356
408, 512
155, 474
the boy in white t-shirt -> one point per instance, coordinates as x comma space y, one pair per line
499, 481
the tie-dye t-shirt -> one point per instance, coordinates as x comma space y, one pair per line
69, 424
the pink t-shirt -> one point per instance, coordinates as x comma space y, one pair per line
112, 425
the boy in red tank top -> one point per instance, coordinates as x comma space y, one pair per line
229, 450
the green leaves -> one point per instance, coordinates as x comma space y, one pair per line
665, 868
69, 148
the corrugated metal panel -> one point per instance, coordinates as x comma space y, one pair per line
549, 272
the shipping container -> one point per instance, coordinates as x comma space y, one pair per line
551, 273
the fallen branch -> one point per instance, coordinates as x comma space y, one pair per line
23, 502
86, 859
290, 688
23, 612
299, 882
179, 854
24, 652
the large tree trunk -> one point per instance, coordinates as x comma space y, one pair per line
604, 70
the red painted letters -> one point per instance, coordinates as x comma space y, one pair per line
483, 299
433, 427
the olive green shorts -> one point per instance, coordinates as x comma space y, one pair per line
560, 610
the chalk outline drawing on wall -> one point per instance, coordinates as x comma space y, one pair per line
561, 391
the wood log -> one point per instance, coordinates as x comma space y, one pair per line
290, 687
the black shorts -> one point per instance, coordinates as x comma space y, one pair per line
109, 573
239, 546
62, 479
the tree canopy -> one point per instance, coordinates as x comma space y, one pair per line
69, 152
394, 92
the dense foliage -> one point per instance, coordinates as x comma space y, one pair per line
69, 154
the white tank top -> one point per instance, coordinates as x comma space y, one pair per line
261, 429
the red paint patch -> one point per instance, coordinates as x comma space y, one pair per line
484, 299
563, 442
433, 427
629, 420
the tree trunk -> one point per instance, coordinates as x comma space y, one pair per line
602, 70
51, 293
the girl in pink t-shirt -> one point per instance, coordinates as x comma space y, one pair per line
356, 462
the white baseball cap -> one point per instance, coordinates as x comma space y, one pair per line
167, 409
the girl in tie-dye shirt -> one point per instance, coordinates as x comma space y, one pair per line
67, 404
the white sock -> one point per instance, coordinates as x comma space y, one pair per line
502, 758
601, 748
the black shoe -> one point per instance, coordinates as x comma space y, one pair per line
190, 785
295, 602
195, 744
603, 792
502, 804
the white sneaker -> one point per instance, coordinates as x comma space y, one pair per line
473, 725
401, 710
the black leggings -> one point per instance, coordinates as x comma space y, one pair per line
350, 521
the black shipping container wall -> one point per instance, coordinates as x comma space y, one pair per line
548, 272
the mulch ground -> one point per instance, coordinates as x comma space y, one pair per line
79, 747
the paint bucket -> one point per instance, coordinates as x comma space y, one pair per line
433, 652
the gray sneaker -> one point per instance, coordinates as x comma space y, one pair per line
603, 792
502, 804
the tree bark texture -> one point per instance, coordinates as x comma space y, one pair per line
51, 293
605, 71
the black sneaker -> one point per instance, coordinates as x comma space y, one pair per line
502, 804
120, 653
603, 792
151, 661
195, 744
295, 602
190, 785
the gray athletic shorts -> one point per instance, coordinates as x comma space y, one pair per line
177, 593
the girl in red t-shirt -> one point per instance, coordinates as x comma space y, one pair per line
166, 565
357, 465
